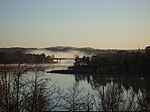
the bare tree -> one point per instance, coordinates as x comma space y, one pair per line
73, 99
21, 94
42, 97
130, 102
110, 99
35, 98
88, 102
144, 102
10, 86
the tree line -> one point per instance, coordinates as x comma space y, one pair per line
121, 62
20, 57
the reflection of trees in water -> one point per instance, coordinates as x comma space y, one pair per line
79, 77
96, 82
20, 93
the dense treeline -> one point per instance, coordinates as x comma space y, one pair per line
20, 57
122, 62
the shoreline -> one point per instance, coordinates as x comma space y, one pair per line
71, 72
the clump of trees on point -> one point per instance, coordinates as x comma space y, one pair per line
122, 63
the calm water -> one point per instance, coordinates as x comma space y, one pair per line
92, 84
65, 81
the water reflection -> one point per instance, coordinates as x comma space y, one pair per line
94, 82
137, 84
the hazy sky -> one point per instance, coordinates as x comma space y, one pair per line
123, 24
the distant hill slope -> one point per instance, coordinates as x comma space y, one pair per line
13, 49
86, 50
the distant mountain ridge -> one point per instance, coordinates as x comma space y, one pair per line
13, 49
86, 50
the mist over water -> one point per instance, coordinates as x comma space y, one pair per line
60, 54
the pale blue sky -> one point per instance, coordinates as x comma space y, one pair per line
123, 24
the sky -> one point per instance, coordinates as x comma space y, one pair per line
103, 24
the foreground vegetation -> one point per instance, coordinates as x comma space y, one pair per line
23, 93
